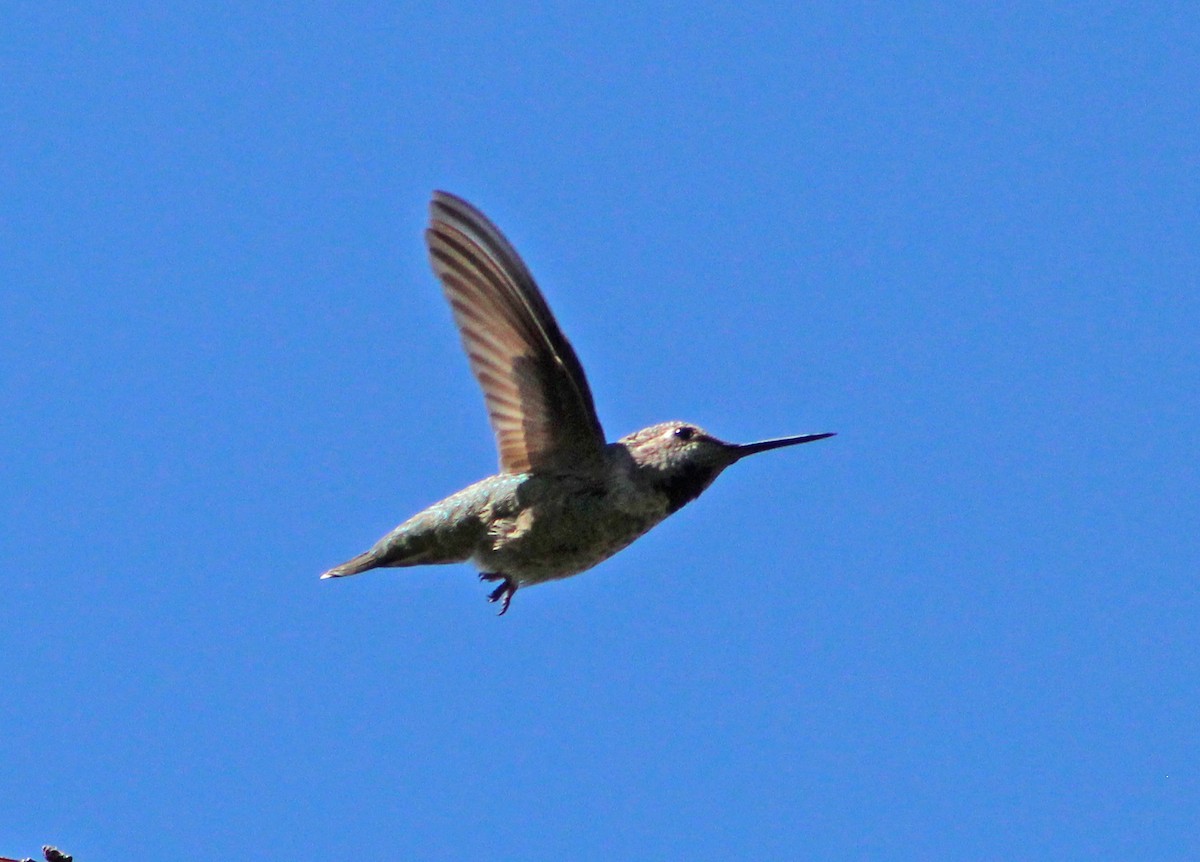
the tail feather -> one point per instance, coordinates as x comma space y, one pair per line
364, 561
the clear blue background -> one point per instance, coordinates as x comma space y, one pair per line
967, 240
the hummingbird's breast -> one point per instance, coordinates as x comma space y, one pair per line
553, 525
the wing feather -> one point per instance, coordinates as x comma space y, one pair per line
537, 396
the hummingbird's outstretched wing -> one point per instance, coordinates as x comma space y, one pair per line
537, 397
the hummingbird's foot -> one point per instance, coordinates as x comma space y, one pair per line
502, 593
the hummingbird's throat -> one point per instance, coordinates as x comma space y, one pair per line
685, 483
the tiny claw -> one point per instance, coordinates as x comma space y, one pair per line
502, 593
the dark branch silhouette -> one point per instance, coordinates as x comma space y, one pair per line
51, 854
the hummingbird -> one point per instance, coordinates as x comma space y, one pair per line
564, 499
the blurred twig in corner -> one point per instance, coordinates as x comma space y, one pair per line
51, 854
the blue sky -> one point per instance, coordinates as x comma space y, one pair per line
965, 239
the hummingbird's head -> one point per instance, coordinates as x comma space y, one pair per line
682, 459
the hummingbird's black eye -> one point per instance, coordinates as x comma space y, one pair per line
683, 432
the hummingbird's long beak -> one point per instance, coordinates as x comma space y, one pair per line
741, 451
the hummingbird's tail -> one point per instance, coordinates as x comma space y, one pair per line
424, 539
364, 561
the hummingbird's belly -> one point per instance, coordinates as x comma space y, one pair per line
556, 538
